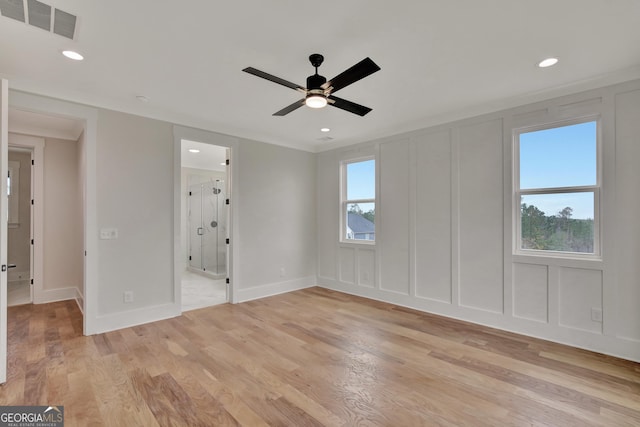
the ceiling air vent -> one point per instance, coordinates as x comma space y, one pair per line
38, 14
13, 9
64, 24
325, 139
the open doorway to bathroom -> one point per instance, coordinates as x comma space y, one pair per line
204, 188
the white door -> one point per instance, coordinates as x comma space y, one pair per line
4, 168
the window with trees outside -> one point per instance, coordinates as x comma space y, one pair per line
558, 188
359, 200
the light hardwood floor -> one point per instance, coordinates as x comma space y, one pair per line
309, 358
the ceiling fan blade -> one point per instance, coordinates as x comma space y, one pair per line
273, 78
359, 71
290, 108
349, 106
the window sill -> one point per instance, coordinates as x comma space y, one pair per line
358, 242
559, 259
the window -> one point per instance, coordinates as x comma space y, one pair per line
359, 200
558, 188
13, 193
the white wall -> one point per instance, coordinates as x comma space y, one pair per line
273, 199
63, 259
445, 228
276, 204
134, 195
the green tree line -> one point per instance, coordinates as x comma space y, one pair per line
557, 232
370, 215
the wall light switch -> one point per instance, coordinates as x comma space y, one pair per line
108, 233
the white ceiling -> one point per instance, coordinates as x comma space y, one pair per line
30, 123
208, 157
440, 60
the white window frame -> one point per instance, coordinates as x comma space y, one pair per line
344, 202
596, 189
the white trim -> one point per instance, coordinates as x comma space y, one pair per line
276, 288
79, 298
611, 345
233, 268
595, 189
127, 319
4, 143
53, 295
344, 202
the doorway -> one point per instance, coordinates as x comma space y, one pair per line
48, 271
204, 187
20, 227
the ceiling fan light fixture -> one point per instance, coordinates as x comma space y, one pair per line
315, 101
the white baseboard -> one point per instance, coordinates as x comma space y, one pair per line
13, 276
611, 345
53, 295
126, 319
80, 300
243, 295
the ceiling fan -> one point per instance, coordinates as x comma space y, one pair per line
319, 92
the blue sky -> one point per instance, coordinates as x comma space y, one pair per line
361, 182
560, 157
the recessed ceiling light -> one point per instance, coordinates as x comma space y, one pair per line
548, 62
72, 55
325, 130
194, 150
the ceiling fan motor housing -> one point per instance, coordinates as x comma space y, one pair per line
315, 81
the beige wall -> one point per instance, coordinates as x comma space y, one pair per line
19, 236
134, 179
63, 263
275, 196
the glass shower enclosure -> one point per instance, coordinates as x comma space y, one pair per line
208, 228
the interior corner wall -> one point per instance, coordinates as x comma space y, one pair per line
444, 219
63, 249
276, 204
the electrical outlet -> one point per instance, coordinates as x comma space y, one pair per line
283, 272
128, 296
596, 314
